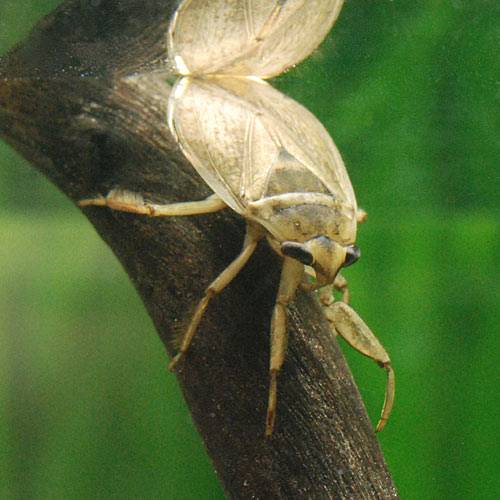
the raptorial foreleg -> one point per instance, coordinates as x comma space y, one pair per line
354, 330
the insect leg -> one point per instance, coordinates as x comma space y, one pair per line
325, 294
251, 239
342, 286
361, 216
291, 276
354, 330
128, 201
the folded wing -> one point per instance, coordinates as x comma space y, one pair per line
249, 141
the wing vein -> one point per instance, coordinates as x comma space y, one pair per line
248, 157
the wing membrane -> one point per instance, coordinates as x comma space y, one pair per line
249, 141
247, 37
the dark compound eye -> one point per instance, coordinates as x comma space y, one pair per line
298, 252
352, 255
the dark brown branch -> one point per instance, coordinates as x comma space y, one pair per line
84, 98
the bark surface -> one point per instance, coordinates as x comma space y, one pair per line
84, 98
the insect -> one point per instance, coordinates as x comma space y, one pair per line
265, 157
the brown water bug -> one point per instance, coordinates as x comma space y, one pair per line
265, 157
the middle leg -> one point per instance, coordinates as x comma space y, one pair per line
291, 275
251, 239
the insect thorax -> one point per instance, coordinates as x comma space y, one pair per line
302, 216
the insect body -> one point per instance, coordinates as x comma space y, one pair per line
264, 156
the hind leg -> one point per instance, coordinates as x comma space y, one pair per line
128, 201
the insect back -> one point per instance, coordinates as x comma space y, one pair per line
264, 156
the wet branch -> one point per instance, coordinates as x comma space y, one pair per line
85, 99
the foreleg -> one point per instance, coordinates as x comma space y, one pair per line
354, 330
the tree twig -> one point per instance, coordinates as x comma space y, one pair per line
85, 99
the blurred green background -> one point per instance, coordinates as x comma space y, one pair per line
409, 92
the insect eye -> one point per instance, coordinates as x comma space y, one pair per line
298, 252
352, 255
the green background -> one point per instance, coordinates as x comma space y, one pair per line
408, 91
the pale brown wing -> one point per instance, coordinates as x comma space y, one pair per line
247, 37
248, 141
307, 151
222, 137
